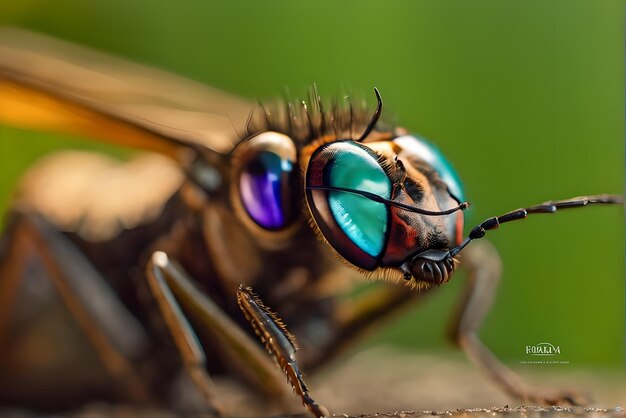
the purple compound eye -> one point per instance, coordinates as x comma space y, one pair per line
267, 176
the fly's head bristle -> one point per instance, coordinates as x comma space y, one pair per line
308, 120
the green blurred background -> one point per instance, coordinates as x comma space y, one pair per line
526, 99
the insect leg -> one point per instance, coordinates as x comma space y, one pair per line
484, 268
114, 333
14, 251
173, 290
279, 343
194, 359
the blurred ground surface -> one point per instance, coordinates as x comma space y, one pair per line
522, 411
385, 382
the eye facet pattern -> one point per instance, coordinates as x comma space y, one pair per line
357, 227
361, 219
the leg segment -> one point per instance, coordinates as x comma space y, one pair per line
279, 343
15, 250
484, 270
114, 333
173, 290
186, 342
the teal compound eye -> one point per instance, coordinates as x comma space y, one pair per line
430, 154
354, 225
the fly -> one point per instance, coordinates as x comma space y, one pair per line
147, 268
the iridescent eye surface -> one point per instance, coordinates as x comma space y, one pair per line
430, 154
267, 180
355, 226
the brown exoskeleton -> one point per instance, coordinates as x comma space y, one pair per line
155, 266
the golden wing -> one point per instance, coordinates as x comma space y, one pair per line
53, 86
50, 85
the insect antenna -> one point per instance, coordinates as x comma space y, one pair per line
375, 116
376, 198
548, 207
